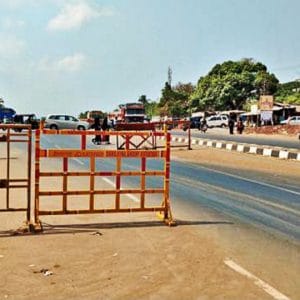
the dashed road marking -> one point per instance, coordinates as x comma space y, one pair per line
257, 281
74, 158
110, 182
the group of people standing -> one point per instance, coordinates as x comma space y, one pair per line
98, 126
239, 125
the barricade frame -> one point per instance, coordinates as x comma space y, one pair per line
147, 139
8, 183
164, 209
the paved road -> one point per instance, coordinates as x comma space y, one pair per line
271, 206
222, 134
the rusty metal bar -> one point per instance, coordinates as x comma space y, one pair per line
37, 176
104, 210
65, 183
92, 182
113, 173
101, 153
101, 192
143, 181
8, 167
167, 177
29, 158
118, 182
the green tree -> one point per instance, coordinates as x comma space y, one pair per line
175, 101
83, 115
151, 107
289, 92
230, 84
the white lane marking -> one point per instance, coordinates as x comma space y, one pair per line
240, 195
257, 281
74, 158
110, 182
252, 180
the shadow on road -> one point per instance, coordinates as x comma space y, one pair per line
94, 227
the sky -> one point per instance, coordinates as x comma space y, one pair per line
71, 56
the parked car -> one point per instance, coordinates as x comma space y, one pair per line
295, 120
65, 122
217, 121
195, 123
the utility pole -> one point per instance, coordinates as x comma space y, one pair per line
169, 76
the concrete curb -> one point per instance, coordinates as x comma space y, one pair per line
267, 151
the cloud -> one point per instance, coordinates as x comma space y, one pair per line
9, 23
73, 16
72, 63
10, 46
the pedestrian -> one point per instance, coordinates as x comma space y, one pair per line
240, 126
97, 126
105, 127
230, 125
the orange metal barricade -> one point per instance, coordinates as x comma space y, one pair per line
184, 141
119, 173
13, 134
147, 140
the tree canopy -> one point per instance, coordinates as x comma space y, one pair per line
289, 92
175, 100
230, 84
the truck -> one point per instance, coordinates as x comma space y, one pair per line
6, 114
132, 112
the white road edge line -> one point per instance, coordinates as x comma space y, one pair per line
132, 197
252, 180
260, 283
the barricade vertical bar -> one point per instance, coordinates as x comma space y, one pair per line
92, 182
167, 178
37, 177
65, 183
127, 142
143, 181
118, 182
29, 149
8, 168
189, 138
83, 142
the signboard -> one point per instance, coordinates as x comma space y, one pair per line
254, 109
266, 115
266, 102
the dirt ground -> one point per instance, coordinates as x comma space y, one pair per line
135, 256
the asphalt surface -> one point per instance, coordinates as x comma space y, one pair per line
269, 205
222, 134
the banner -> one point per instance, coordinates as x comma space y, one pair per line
266, 115
266, 102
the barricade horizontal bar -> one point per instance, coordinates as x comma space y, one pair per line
18, 141
101, 192
102, 153
109, 210
19, 180
12, 209
93, 132
123, 173
12, 126
18, 134
20, 186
